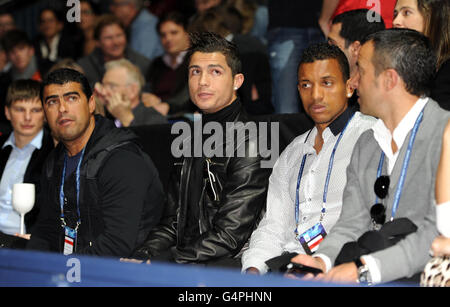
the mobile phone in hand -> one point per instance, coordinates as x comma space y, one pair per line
300, 269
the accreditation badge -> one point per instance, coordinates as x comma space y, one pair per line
70, 240
311, 238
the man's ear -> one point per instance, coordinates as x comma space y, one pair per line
92, 104
7, 114
354, 49
238, 81
390, 79
349, 88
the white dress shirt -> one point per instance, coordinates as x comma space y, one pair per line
384, 138
275, 233
13, 173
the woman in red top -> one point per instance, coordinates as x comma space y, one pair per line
385, 8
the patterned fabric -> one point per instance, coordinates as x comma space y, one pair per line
436, 273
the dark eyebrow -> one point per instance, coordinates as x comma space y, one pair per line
209, 66
216, 65
50, 97
71, 93
64, 95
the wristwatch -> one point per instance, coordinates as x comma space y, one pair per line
364, 276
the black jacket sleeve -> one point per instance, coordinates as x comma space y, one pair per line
164, 235
123, 184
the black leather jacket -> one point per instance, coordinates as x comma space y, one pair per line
225, 224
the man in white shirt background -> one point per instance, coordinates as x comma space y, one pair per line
307, 182
395, 69
22, 154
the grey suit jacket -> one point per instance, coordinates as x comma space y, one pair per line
410, 255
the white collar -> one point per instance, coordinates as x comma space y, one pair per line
167, 59
384, 137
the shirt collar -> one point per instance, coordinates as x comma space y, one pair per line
384, 137
179, 60
339, 123
36, 142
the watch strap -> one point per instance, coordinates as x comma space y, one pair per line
358, 262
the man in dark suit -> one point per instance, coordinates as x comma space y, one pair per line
22, 155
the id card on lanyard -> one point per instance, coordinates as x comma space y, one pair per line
70, 234
312, 237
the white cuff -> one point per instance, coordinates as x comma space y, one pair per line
374, 271
327, 261
443, 218
262, 268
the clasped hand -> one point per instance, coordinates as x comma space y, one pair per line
345, 273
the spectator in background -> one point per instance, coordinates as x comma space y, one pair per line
20, 52
349, 31
167, 75
89, 15
255, 18
384, 8
22, 155
203, 5
6, 23
293, 25
255, 93
162, 7
111, 45
120, 93
140, 25
432, 18
52, 43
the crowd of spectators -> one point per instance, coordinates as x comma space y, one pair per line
131, 63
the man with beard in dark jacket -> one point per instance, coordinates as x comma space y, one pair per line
101, 194
216, 199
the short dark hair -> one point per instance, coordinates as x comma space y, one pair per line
22, 89
174, 16
209, 42
59, 15
324, 51
14, 38
409, 53
356, 26
104, 21
63, 76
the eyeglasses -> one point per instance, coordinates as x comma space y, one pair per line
381, 188
211, 189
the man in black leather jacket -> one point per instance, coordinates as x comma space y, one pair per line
214, 202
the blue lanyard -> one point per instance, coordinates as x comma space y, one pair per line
327, 180
402, 178
61, 191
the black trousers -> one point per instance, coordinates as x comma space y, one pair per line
224, 262
8, 241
